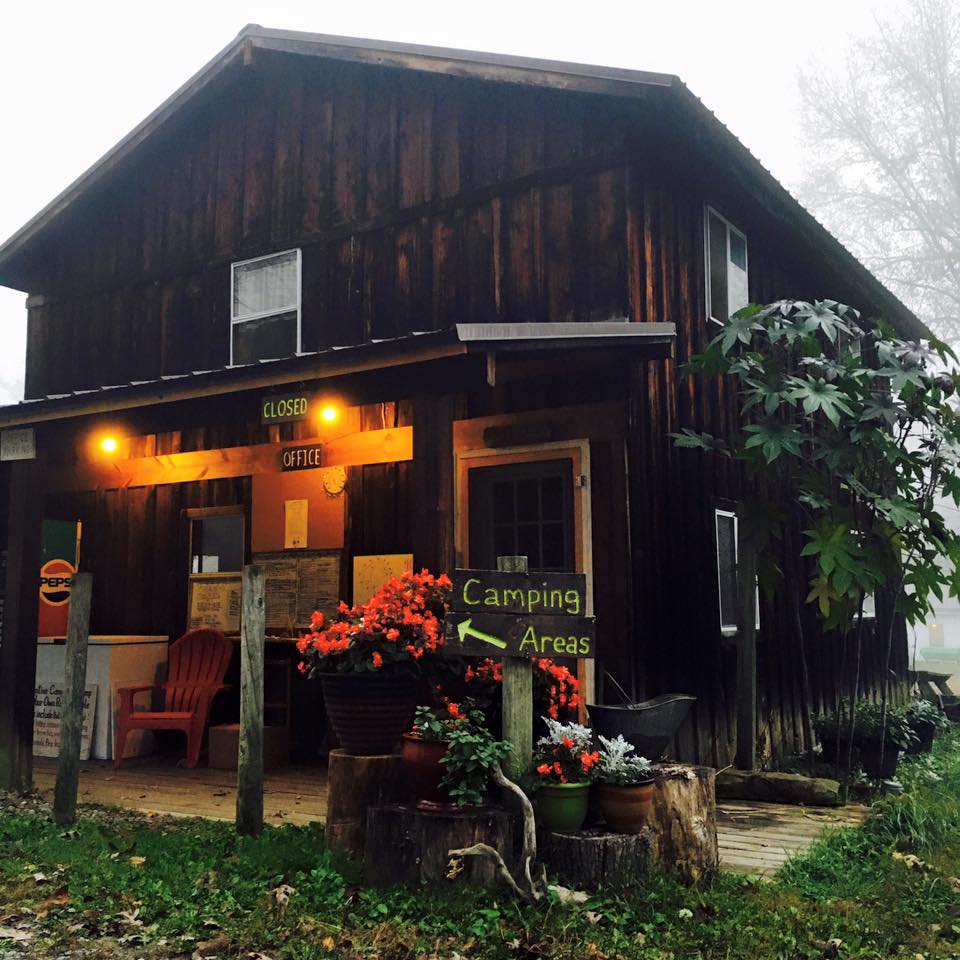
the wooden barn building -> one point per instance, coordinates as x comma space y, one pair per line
342, 306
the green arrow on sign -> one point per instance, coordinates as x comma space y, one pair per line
465, 630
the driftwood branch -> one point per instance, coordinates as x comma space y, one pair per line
485, 850
535, 891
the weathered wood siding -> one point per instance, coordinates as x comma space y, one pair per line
419, 201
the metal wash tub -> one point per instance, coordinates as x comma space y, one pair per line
649, 725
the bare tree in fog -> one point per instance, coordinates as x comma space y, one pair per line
882, 130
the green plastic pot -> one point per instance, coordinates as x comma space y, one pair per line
562, 807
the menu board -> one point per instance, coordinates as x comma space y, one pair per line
48, 714
215, 602
298, 584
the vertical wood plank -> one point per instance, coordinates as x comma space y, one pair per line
250, 759
75, 682
517, 698
746, 652
18, 653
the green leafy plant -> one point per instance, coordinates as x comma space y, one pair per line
851, 440
616, 767
472, 757
926, 712
871, 723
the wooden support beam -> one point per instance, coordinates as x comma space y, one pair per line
746, 649
75, 683
354, 449
250, 759
18, 653
517, 699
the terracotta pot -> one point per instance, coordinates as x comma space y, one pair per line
626, 809
422, 761
369, 711
562, 807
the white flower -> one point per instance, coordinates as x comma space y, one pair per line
685, 914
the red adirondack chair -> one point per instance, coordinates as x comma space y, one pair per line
196, 667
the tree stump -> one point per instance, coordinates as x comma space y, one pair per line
592, 859
355, 784
410, 847
681, 839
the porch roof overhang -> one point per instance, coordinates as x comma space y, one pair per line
647, 340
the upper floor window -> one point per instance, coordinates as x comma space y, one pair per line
265, 308
726, 258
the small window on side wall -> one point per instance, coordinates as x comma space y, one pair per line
726, 263
726, 527
265, 308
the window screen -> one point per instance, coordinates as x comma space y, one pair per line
727, 275
726, 523
216, 544
265, 308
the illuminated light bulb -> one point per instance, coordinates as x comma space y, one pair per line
108, 444
329, 414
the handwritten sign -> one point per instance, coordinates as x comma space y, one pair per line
48, 712
18, 444
519, 615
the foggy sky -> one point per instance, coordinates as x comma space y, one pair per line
77, 77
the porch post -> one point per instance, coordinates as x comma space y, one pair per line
18, 653
250, 759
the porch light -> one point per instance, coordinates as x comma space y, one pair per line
108, 444
329, 413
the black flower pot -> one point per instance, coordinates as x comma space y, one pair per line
369, 712
870, 758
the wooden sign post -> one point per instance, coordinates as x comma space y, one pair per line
74, 690
250, 758
510, 614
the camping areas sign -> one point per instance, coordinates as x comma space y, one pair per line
499, 614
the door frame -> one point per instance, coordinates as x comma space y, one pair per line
578, 452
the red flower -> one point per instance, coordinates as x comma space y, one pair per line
377, 660
544, 769
454, 710
566, 742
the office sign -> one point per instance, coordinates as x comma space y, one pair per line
498, 614
284, 409
306, 457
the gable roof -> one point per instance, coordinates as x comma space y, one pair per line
497, 68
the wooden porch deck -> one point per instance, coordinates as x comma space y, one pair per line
755, 838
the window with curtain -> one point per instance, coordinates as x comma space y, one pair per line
265, 308
726, 260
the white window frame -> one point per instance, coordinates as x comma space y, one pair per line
726, 629
708, 211
234, 322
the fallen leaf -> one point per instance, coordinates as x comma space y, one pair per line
566, 896
328, 944
593, 917
138, 861
17, 936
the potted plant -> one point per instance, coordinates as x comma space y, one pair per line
427, 743
926, 719
473, 753
624, 786
878, 740
564, 764
369, 657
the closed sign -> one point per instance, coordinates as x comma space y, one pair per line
284, 409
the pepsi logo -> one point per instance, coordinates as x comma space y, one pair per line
56, 580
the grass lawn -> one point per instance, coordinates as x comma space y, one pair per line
120, 884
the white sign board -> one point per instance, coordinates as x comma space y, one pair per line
18, 444
47, 713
